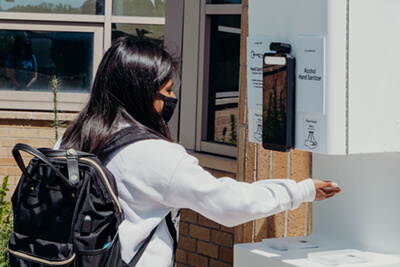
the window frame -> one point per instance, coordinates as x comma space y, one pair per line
33, 100
99, 25
195, 76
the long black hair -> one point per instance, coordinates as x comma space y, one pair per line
125, 86
21, 44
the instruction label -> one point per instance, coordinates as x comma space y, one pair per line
255, 125
256, 47
311, 133
310, 77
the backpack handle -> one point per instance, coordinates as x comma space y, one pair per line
36, 153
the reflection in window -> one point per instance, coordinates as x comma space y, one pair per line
54, 6
226, 1
142, 8
28, 60
224, 79
153, 33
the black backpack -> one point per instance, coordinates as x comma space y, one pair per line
66, 208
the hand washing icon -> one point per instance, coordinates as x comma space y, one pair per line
310, 142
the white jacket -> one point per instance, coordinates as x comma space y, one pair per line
155, 176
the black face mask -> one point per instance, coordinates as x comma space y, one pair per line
169, 107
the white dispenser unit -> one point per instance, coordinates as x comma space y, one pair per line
364, 217
348, 110
348, 81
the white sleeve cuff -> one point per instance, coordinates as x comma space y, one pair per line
307, 189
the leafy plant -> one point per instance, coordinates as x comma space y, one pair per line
223, 134
55, 86
233, 130
6, 222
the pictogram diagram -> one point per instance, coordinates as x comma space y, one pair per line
258, 133
310, 142
311, 130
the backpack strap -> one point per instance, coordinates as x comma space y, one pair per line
117, 141
140, 252
172, 232
36, 153
128, 136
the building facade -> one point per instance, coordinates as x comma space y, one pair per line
68, 40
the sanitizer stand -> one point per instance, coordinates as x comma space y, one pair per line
359, 227
347, 99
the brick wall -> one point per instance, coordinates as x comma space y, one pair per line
203, 242
32, 128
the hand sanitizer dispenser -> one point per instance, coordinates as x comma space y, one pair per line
347, 93
347, 54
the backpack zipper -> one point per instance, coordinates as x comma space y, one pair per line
51, 263
105, 180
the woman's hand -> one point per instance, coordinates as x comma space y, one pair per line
325, 189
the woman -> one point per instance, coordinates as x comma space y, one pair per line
21, 67
133, 87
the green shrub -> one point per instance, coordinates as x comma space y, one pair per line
6, 222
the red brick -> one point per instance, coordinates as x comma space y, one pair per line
215, 263
220, 174
226, 254
228, 229
207, 249
199, 232
188, 216
207, 222
248, 232
197, 260
187, 244
181, 256
239, 234
221, 238
183, 229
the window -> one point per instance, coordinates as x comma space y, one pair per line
29, 59
210, 77
226, 1
68, 52
144, 8
140, 31
223, 74
67, 41
53, 6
